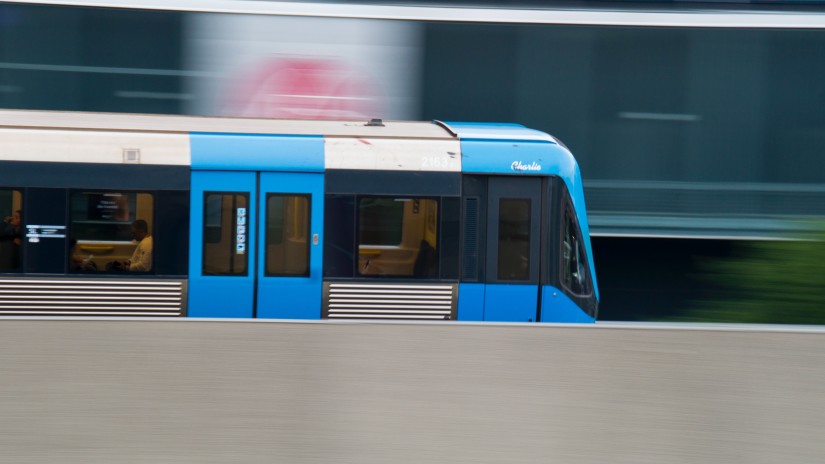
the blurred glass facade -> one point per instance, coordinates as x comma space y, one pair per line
679, 131
86, 59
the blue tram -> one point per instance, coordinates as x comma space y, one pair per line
290, 219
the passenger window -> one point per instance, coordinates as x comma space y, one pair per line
225, 232
111, 231
381, 220
398, 237
11, 230
287, 235
574, 272
514, 239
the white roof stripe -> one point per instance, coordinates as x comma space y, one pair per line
615, 16
187, 124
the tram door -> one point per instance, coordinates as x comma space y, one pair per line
513, 248
256, 244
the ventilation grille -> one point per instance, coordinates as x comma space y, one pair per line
469, 269
82, 297
382, 301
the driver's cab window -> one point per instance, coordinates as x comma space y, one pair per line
111, 231
575, 275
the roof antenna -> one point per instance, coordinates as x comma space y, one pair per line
375, 122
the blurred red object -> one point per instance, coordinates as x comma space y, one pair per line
302, 88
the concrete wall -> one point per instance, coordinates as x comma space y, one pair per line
180, 391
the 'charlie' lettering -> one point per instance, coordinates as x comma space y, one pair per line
519, 166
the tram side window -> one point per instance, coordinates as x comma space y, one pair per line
574, 272
398, 236
225, 233
111, 231
11, 230
287, 235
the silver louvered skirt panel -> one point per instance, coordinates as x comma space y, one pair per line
91, 297
390, 301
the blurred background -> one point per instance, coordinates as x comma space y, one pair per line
699, 127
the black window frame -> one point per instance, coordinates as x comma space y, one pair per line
70, 232
340, 253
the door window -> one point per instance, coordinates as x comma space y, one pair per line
225, 233
287, 234
514, 239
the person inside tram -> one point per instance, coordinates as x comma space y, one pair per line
12, 232
79, 263
141, 260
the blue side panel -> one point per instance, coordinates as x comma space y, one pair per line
292, 302
514, 157
255, 152
482, 154
219, 298
210, 295
471, 302
293, 297
510, 303
557, 307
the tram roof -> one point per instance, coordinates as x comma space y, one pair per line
69, 120
497, 131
